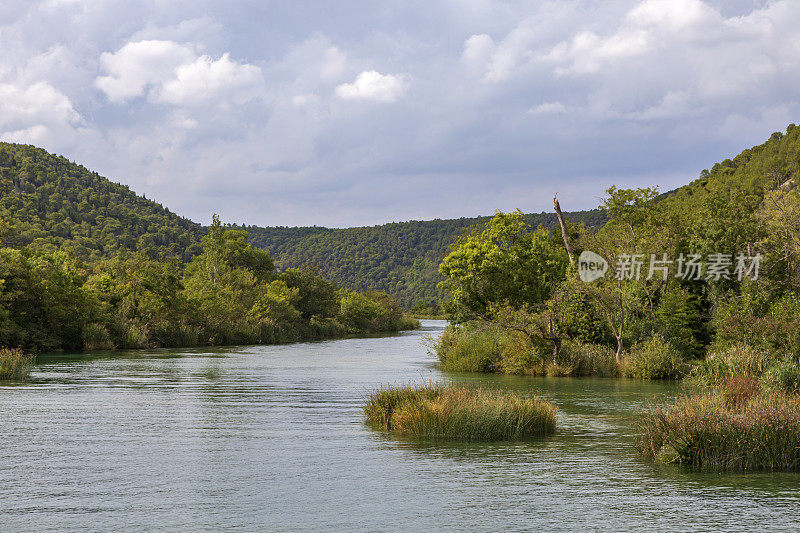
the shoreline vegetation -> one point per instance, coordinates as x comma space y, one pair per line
230, 293
455, 412
15, 364
731, 324
676, 298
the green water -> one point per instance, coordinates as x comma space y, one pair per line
272, 438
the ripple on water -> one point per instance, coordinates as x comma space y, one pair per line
272, 437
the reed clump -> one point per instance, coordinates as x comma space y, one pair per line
733, 429
14, 363
456, 412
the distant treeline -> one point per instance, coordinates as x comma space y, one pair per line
400, 258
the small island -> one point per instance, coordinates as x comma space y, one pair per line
458, 412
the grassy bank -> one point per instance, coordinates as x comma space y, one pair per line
494, 349
14, 363
747, 418
459, 413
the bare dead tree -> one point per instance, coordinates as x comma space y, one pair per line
564, 233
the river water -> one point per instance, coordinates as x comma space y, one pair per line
272, 438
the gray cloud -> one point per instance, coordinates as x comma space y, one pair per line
341, 113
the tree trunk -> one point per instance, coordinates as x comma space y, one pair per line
564, 234
556, 350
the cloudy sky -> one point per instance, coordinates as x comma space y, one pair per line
343, 113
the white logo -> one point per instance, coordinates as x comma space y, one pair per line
591, 266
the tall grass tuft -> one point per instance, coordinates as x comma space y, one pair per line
459, 413
760, 433
14, 363
726, 362
465, 349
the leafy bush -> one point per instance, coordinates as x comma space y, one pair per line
783, 375
654, 358
459, 413
772, 326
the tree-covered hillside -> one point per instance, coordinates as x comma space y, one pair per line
50, 203
401, 258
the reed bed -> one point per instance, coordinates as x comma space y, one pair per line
14, 363
734, 430
454, 412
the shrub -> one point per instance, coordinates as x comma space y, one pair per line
760, 434
14, 363
96, 337
783, 376
459, 413
725, 362
468, 349
654, 358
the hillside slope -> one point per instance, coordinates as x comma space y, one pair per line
49, 202
401, 258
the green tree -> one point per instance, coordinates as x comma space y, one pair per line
503, 264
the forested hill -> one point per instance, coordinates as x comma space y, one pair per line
48, 202
401, 258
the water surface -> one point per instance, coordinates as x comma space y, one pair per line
272, 438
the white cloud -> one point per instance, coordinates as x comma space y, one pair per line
547, 108
334, 64
625, 91
206, 80
372, 85
138, 65
477, 52
304, 100
170, 73
36, 114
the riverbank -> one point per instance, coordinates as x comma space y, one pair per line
488, 348
745, 417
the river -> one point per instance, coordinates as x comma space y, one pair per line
272, 438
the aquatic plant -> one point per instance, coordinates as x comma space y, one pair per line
455, 412
468, 349
14, 363
761, 432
